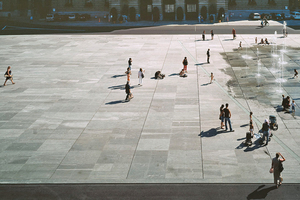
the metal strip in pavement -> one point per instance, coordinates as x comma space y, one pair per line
290, 151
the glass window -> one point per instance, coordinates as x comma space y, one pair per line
191, 8
149, 8
169, 8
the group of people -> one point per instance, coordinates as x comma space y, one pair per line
211, 33
262, 41
128, 74
225, 116
286, 104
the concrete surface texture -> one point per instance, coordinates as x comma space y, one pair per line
65, 119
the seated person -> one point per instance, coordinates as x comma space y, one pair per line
286, 103
266, 41
182, 74
262, 41
159, 75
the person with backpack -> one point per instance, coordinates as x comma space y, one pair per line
277, 168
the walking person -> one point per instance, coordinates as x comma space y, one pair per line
266, 130
227, 118
8, 76
211, 77
240, 45
296, 73
233, 33
128, 92
203, 35
130, 63
250, 116
222, 116
212, 34
208, 55
277, 168
141, 76
128, 73
185, 64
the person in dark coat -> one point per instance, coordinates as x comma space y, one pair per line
127, 90
208, 55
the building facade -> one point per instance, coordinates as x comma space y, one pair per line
142, 9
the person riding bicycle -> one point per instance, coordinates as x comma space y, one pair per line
266, 22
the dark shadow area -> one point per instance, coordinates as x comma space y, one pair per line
121, 87
202, 40
244, 138
174, 74
244, 125
260, 193
255, 145
117, 76
228, 39
279, 108
115, 102
198, 64
205, 84
212, 132
117, 87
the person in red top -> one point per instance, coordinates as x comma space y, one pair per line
233, 33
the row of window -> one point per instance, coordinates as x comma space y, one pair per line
250, 2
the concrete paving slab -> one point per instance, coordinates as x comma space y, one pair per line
65, 119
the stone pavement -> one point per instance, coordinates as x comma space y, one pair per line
65, 119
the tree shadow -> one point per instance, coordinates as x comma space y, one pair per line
115, 102
117, 76
260, 193
174, 74
211, 132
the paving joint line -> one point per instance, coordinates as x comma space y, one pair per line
157, 81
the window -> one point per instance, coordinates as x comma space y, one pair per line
149, 8
169, 8
191, 8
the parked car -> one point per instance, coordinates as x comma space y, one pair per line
254, 16
53, 17
84, 17
73, 17
286, 16
295, 15
50, 17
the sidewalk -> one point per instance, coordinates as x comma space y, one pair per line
65, 119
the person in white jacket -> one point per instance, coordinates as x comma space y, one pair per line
141, 76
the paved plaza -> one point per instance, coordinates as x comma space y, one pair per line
65, 120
